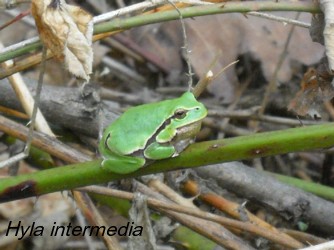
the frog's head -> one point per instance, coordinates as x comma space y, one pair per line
185, 121
188, 110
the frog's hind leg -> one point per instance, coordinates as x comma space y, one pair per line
156, 151
120, 164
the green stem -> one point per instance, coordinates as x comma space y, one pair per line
311, 187
189, 12
140, 20
199, 154
20, 51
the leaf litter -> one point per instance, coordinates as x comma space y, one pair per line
231, 35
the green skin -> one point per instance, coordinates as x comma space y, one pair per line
151, 131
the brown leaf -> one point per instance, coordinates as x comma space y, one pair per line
67, 31
232, 35
235, 35
316, 87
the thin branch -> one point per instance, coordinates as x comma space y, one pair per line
244, 226
284, 20
94, 217
303, 236
202, 83
210, 230
266, 189
231, 208
26, 99
105, 17
250, 114
273, 82
189, 12
185, 47
43, 141
36, 104
31, 107
12, 112
224, 69
17, 16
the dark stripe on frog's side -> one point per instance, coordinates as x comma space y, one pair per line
106, 140
140, 152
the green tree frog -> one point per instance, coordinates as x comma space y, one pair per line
151, 132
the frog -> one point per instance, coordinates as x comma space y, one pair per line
150, 132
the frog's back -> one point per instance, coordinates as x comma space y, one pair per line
131, 131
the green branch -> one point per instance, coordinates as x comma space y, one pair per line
308, 186
199, 154
223, 8
140, 20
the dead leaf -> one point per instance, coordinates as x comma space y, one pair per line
232, 35
67, 31
316, 87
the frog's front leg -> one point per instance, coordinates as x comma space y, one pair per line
121, 164
156, 151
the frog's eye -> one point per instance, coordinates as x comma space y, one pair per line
180, 114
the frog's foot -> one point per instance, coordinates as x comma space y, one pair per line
123, 164
156, 151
